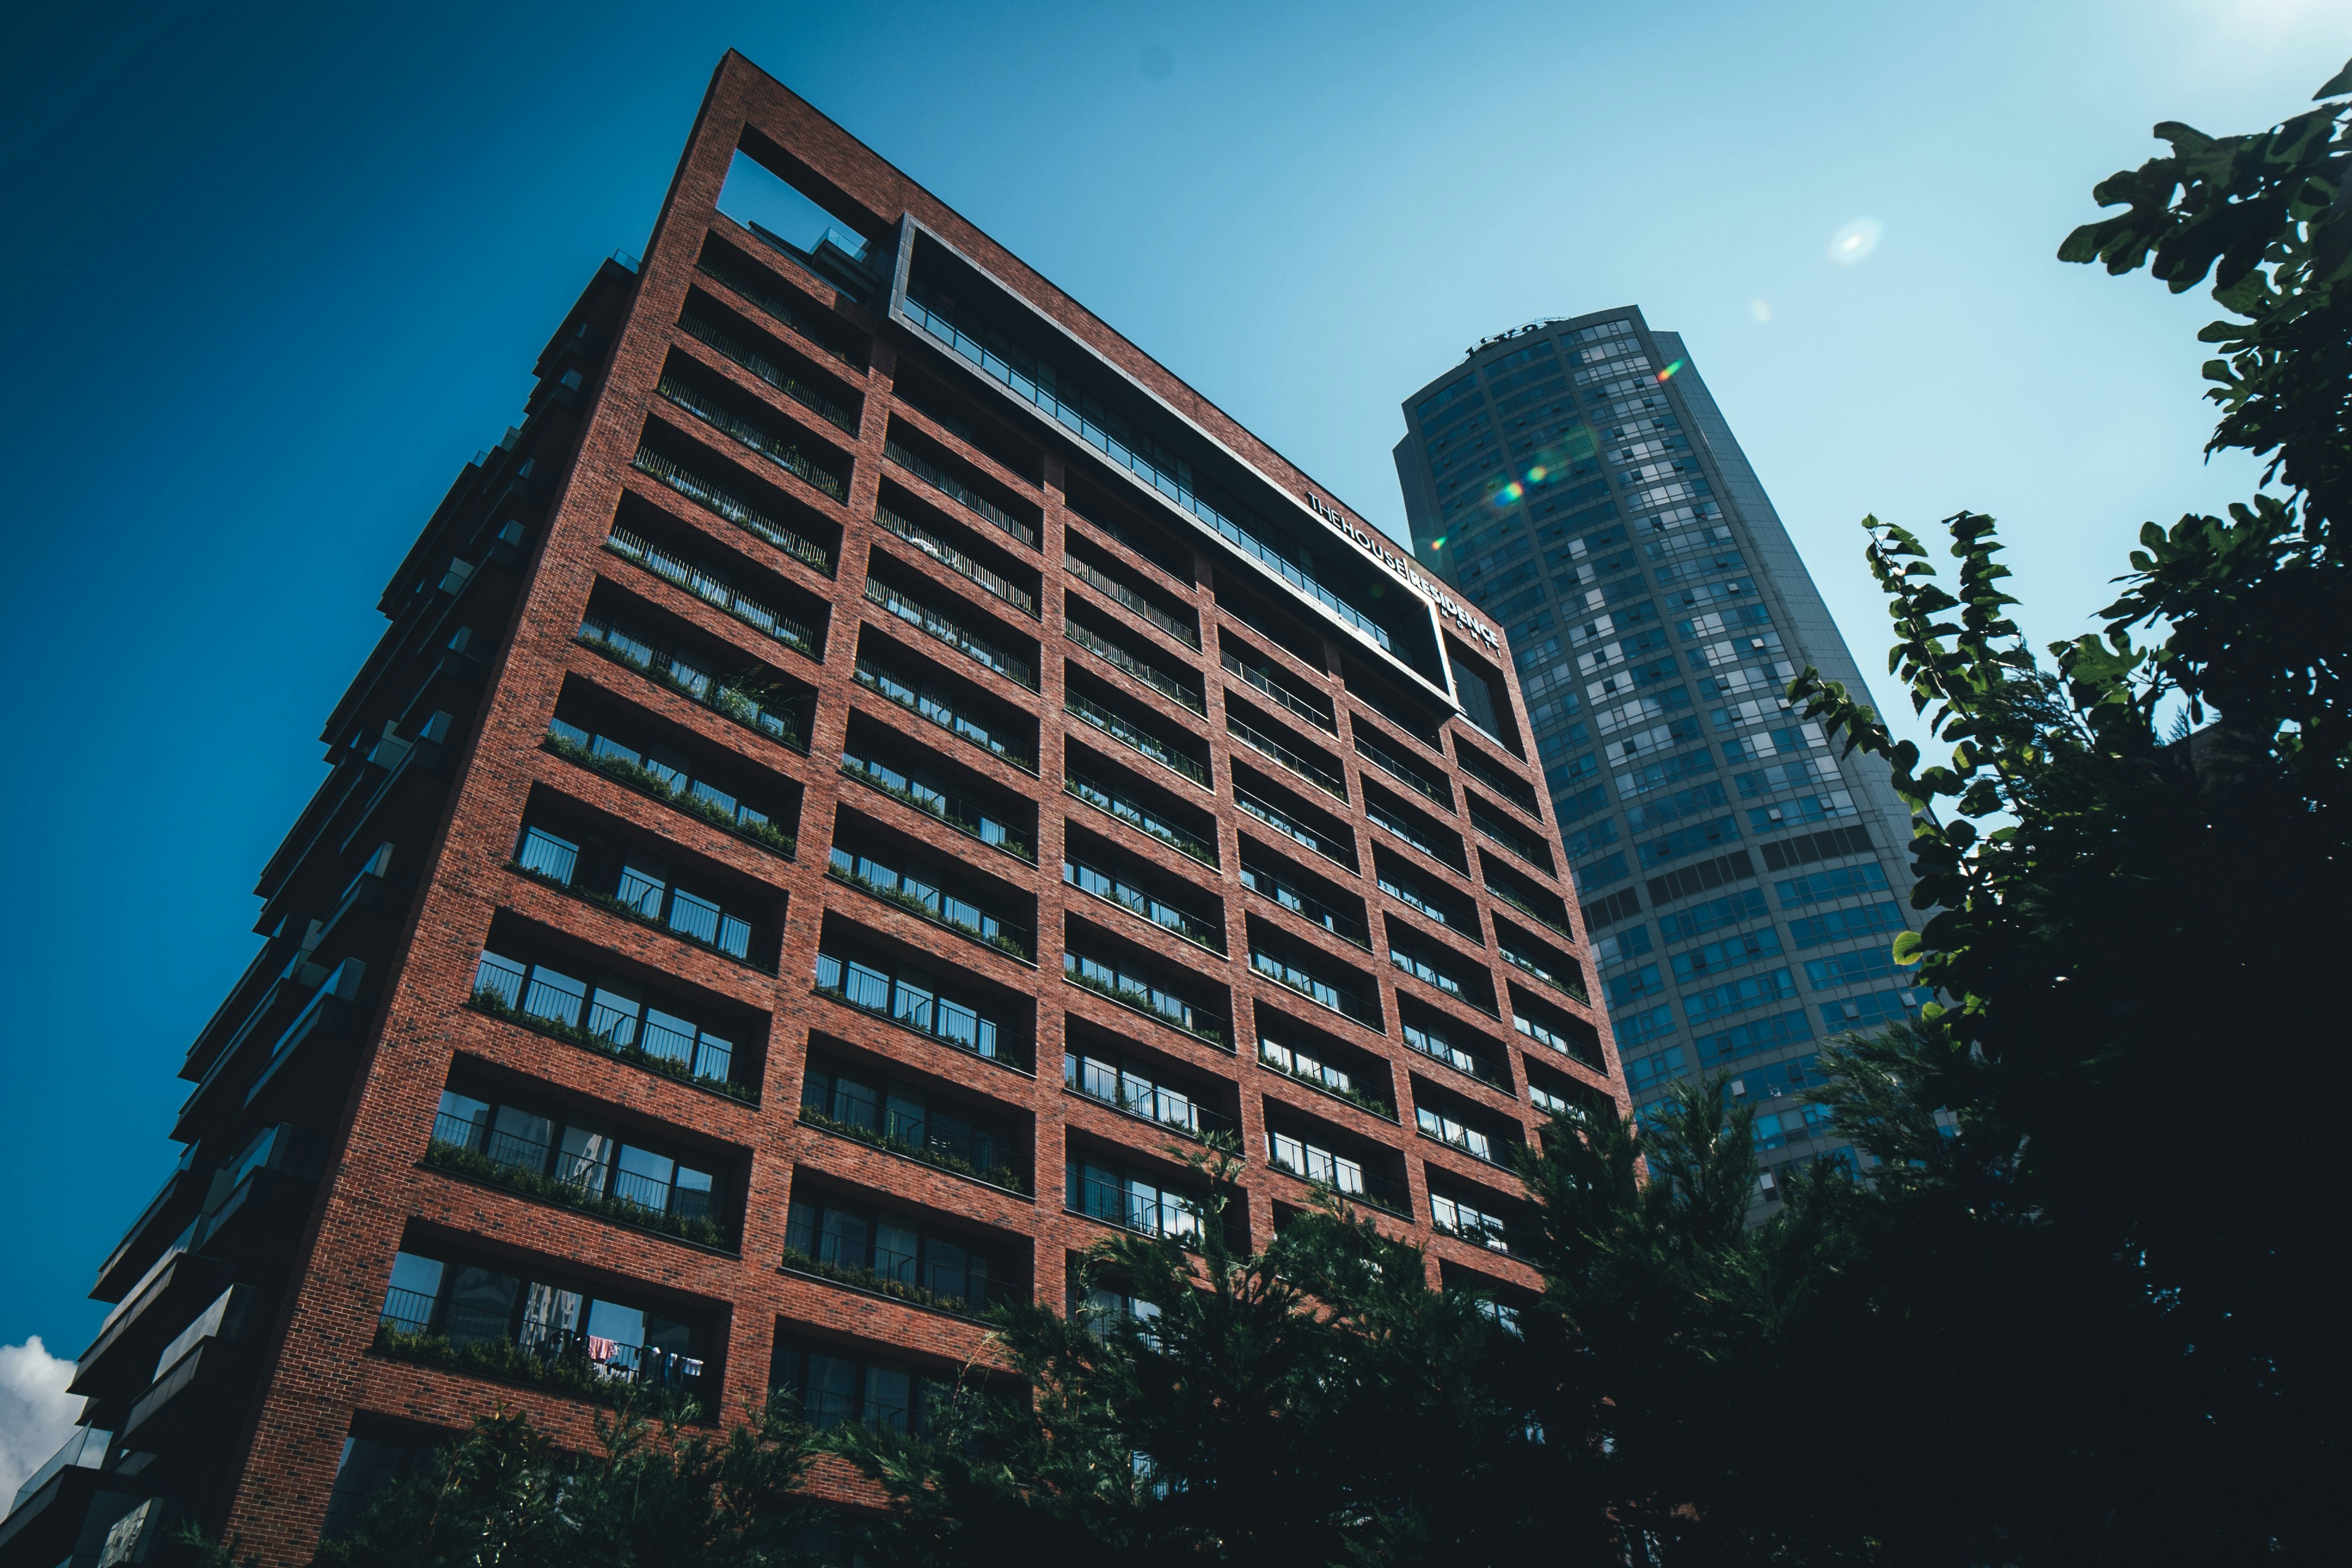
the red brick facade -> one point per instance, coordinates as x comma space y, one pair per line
317, 1372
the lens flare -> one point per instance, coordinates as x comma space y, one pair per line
1855, 240
1759, 310
1537, 474
1510, 494
1670, 370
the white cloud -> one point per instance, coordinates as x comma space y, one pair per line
36, 1414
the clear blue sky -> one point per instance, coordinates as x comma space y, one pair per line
275, 272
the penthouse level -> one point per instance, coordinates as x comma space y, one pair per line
867, 772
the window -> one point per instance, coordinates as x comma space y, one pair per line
1133, 1199
895, 1251
1844, 881
1455, 1218
1840, 925
1431, 1042
1658, 1067
612, 1011
1450, 1130
1302, 1158
1136, 991
834, 1387
1756, 1035
1726, 953
1714, 914
550, 1320
640, 886
1301, 1063
1630, 988
907, 997
644, 767
1850, 968
1870, 1011
924, 795
1639, 1028
927, 897
1751, 991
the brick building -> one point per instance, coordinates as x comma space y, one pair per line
870, 765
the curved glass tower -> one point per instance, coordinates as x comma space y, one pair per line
1741, 884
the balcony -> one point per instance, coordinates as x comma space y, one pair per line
1415, 962
1297, 761
1112, 888
913, 790
748, 518
638, 1188
1104, 1193
701, 328
1433, 1043
926, 899
913, 1001
1139, 995
1454, 1133
1131, 1093
1127, 664
551, 1002
1134, 737
1385, 758
721, 264
640, 897
711, 589
1260, 678
1509, 837
479, 1341
1337, 851
1491, 773
1319, 1167
739, 697
626, 764
1128, 599
781, 450
1345, 1000
932, 624
1316, 1073
1527, 964
955, 561
1138, 816
956, 491
925, 702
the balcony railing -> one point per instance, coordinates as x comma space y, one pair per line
683, 914
1321, 1076
1397, 823
1139, 816
740, 279
966, 1292
1133, 602
1128, 896
1110, 653
1525, 908
1469, 1140
700, 327
1106, 980
1545, 1035
534, 1169
710, 589
926, 1012
1290, 828
1259, 679
471, 1340
1429, 974
1408, 894
1385, 759
1525, 964
955, 561
1173, 486
750, 518
705, 800
1305, 767
735, 699
551, 1002
785, 455
1134, 737
922, 701
955, 490
930, 621
1509, 837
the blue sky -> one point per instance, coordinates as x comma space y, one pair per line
276, 272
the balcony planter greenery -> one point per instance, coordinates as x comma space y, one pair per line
1004, 1176
1526, 909
490, 1002
1192, 848
504, 1361
644, 780
476, 1166
916, 906
1004, 1059
1140, 1000
799, 1262
1355, 1097
737, 700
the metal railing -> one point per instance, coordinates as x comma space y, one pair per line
761, 295
1119, 659
1307, 983
955, 561
1428, 974
1397, 824
956, 491
931, 622
1134, 737
1137, 816
1521, 904
1075, 419
917, 700
1404, 772
406, 1312
1522, 962
792, 386
1509, 837
886, 996
1305, 767
708, 409
1480, 767
1136, 603
710, 588
953, 809
1436, 1047
1349, 1179
750, 518
1108, 980
929, 900
1154, 1102
735, 700
1259, 679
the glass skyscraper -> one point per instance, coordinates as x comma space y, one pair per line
1740, 883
